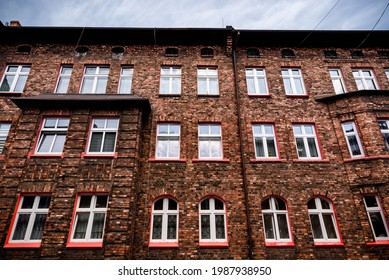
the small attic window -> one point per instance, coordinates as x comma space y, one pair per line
82, 50
171, 52
330, 54
252, 52
383, 54
24, 49
117, 50
287, 53
356, 54
207, 52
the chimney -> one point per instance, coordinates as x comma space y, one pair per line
15, 23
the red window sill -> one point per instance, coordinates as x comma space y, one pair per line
213, 244
163, 245
258, 95
311, 160
23, 245
32, 155
279, 244
258, 160
329, 244
210, 160
2, 158
366, 158
85, 155
378, 243
167, 159
81, 245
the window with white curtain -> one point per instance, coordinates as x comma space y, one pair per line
164, 220
52, 136
256, 81
95, 79
337, 80
103, 136
170, 80
293, 81
64, 79
376, 217
4, 130
306, 141
207, 81
15, 78
365, 79
125, 81
168, 140
210, 141
352, 139
384, 126
212, 220
264, 141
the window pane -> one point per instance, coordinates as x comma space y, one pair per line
204, 149
162, 148
288, 86
259, 147
202, 84
359, 84
205, 204
63, 123
378, 224
66, 70
205, 227
269, 226
85, 201
109, 142
104, 71
176, 85
203, 129
271, 147
280, 204
101, 201
101, 85
20, 83
316, 228
174, 149
37, 229
125, 85
44, 202
338, 86
266, 204
262, 86
213, 86
59, 144
312, 147
250, 85
87, 85
25, 69
172, 227
219, 205
215, 129
325, 204
112, 123
90, 70
383, 124
300, 147
370, 201
312, 204
50, 123
81, 225
98, 123
299, 86
220, 229
283, 226
370, 84
297, 129
163, 129
216, 149
28, 202
98, 226
354, 146
164, 86
96, 141
7, 82
172, 205
63, 85
45, 143
158, 205
21, 227
329, 225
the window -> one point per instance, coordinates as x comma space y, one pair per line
293, 81
210, 141
337, 81
30, 219
321, 215
330, 54
252, 52
365, 79
256, 81
264, 141
4, 130
103, 136
171, 52
206, 52
15, 78
275, 220
64, 79
52, 136
352, 139
356, 54
306, 142
207, 81
95, 79
212, 221
376, 217
125, 82
387, 73
89, 218
164, 221
168, 141
383, 54
384, 126
287, 53
24, 49
170, 80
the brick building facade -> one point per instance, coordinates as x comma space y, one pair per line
126, 143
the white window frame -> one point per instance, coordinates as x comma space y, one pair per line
274, 213
171, 76
263, 137
356, 134
210, 74
305, 136
210, 137
320, 211
16, 78
377, 209
52, 131
169, 137
387, 73
104, 131
32, 212
337, 78
4, 131
92, 210
257, 75
291, 77
125, 76
165, 213
96, 77
63, 76
385, 132
212, 212
359, 76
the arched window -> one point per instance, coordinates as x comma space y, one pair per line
207, 52
164, 220
287, 53
323, 223
252, 52
275, 220
212, 220
171, 52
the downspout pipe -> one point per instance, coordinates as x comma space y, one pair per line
242, 157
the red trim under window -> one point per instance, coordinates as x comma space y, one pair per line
280, 244
86, 155
32, 155
81, 245
223, 244
378, 243
211, 160
23, 245
330, 244
163, 245
167, 159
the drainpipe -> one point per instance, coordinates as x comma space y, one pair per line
245, 188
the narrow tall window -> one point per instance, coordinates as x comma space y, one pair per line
376, 217
256, 81
15, 78
275, 220
321, 215
30, 219
384, 126
306, 141
164, 220
89, 218
103, 136
212, 221
210, 141
293, 81
365, 79
387, 73
168, 141
4, 130
170, 80
64, 79
52, 136
125, 82
95, 79
207, 81
264, 141
337, 81
352, 139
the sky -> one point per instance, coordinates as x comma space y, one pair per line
241, 14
